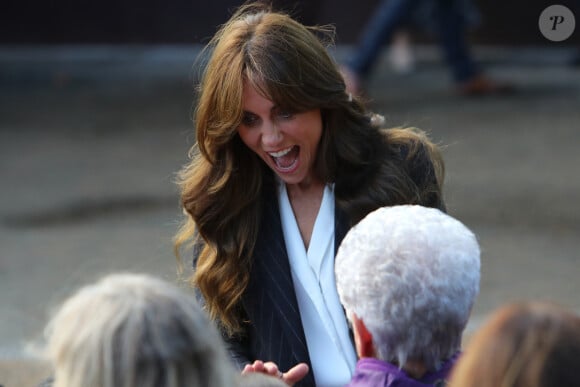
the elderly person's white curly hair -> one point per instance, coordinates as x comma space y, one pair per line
411, 274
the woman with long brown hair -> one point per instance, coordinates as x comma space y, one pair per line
285, 162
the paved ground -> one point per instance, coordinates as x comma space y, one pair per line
90, 141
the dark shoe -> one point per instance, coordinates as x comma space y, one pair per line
480, 85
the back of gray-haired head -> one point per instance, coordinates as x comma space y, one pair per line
257, 379
411, 273
134, 330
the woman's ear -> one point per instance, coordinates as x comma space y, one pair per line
363, 338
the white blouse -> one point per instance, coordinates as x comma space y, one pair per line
331, 351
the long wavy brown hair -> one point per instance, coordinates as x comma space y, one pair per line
222, 185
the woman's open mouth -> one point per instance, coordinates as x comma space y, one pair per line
286, 160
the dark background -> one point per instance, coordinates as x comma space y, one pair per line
193, 21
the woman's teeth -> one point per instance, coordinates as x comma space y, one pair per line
281, 153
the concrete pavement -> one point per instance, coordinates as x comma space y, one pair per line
90, 139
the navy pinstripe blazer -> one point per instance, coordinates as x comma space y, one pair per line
274, 330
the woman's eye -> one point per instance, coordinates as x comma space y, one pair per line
285, 114
249, 119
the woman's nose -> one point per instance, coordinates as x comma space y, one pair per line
271, 136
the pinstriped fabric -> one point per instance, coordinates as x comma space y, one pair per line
275, 329
270, 302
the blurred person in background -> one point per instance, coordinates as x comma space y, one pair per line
448, 19
525, 344
134, 330
258, 379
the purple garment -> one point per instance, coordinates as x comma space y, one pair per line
371, 372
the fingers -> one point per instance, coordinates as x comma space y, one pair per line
269, 368
256, 366
295, 374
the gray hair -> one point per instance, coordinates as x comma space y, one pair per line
411, 274
129, 330
257, 379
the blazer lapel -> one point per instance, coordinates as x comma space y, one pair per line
271, 296
341, 227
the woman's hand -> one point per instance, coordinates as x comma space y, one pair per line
293, 375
